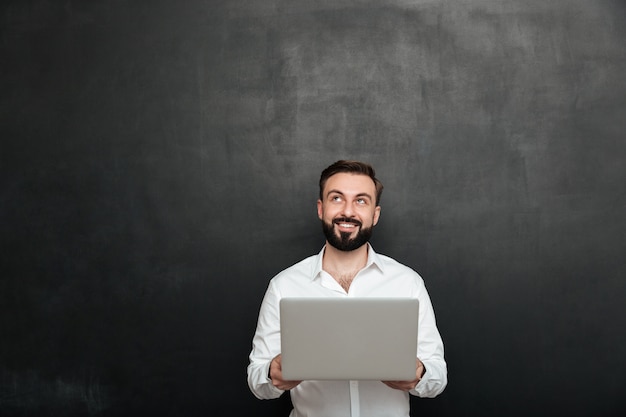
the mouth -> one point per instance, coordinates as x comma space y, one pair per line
347, 225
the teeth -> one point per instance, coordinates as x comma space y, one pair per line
347, 225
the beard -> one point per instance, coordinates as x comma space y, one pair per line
343, 242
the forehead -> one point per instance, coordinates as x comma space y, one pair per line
350, 184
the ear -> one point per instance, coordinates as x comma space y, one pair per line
376, 215
319, 209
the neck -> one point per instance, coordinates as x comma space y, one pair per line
344, 262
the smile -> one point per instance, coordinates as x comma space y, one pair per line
346, 223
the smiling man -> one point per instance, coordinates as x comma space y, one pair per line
347, 266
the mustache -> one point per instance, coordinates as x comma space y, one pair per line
347, 220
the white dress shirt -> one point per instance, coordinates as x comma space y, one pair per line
381, 277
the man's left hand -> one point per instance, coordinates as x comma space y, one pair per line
408, 385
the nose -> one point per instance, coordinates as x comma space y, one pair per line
347, 210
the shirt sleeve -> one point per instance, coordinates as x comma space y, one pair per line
265, 347
429, 351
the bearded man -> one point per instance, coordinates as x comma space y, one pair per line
347, 266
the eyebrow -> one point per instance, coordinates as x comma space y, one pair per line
358, 195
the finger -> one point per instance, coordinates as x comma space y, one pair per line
400, 385
287, 385
391, 384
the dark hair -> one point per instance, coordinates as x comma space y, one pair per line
352, 167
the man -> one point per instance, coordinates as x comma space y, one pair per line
348, 207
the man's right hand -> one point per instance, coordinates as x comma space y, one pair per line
276, 375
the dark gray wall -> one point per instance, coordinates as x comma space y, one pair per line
159, 162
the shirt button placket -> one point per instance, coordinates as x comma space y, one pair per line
355, 409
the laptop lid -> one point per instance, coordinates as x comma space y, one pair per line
349, 338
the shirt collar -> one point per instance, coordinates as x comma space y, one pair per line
372, 259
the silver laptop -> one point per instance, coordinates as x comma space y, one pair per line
346, 338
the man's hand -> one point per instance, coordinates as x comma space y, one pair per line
276, 375
408, 385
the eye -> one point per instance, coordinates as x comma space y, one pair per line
361, 201
335, 198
